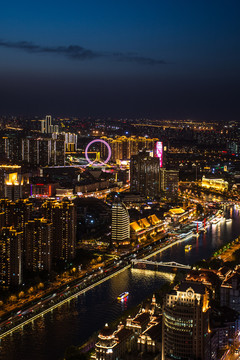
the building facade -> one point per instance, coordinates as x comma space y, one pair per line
63, 217
38, 245
186, 326
120, 224
145, 174
216, 184
10, 257
124, 147
169, 183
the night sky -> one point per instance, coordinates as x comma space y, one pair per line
157, 58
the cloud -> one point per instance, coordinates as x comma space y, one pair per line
76, 52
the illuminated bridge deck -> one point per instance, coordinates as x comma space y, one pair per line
171, 264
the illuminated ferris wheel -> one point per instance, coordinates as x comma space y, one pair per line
97, 161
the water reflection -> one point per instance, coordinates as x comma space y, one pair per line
48, 337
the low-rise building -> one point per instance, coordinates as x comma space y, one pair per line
216, 184
112, 344
145, 227
150, 341
139, 323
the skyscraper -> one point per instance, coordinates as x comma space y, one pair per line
70, 141
186, 323
16, 213
10, 257
120, 224
169, 183
158, 152
43, 151
13, 186
124, 147
145, 174
37, 245
63, 217
46, 125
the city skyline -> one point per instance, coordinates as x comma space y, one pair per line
161, 60
96, 216
120, 180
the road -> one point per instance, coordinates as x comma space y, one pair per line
94, 278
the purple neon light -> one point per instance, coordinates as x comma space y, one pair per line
106, 144
159, 151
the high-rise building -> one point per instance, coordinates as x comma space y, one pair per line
58, 152
46, 125
169, 183
70, 141
43, 151
159, 152
120, 224
10, 257
37, 253
62, 215
16, 213
13, 186
30, 150
145, 174
124, 147
11, 148
117, 150
186, 326
5, 170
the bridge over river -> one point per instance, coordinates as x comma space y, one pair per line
170, 264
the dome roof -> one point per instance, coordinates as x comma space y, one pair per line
106, 333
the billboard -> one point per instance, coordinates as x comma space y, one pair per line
159, 152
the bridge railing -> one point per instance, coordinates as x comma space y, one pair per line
161, 263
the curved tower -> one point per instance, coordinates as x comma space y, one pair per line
120, 224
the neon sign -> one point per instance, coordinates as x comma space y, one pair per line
159, 152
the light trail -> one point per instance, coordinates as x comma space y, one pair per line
167, 246
60, 303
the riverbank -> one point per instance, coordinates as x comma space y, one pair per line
231, 249
73, 323
228, 255
85, 350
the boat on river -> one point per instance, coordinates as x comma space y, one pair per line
123, 295
188, 248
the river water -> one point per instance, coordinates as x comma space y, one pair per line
73, 323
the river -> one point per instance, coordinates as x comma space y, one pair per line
48, 337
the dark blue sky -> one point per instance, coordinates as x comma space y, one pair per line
162, 59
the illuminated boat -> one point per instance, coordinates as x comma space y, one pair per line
123, 296
216, 220
188, 247
228, 220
